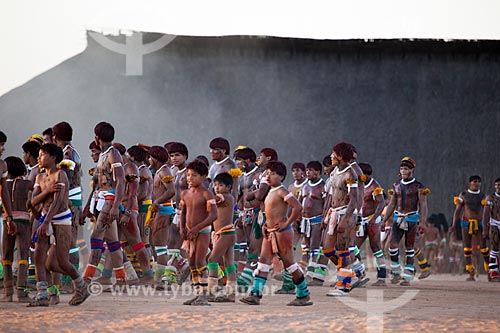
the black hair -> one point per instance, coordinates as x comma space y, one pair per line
203, 159
327, 161
3, 137
48, 131
32, 147
270, 152
198, 166
474, 177
178, 147
220, 143
224, 178
278, 167
15, 166
366, 168
138, 153
105, 131
245, 154
315, 165
53, 150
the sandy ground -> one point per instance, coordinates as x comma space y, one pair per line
442, 303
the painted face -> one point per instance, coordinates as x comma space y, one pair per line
193, 178
273, 178
221, 188
45, 160
217, 154
297, 173
497, 187
262, 159
47, 138
335, 159
177, 159
2, 148
312, 174
241, 164
406, 172
94, 154
475, 185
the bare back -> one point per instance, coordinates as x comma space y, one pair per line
104, 169
18, 189
145, 191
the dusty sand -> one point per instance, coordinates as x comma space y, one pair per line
443, 303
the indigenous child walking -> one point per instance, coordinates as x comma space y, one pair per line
54, 232
199, 211
223, 239
278, 238
19, 238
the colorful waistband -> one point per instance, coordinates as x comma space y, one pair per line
166, 210
143, 207
286, 229
410, 217
314, 219
75, 196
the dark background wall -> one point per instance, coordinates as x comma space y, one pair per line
434, 101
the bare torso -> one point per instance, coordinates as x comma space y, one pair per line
196, 201
369, 203
473, 209
275, 206
45, 181
312, 197
340, 189
495, 207
224, 212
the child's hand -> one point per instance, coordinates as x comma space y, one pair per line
193, 233
182, 232
42, 230
54, 188
114, 214
265, 231
219, 198
11, 227
342, 226
155, 207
